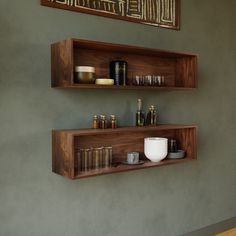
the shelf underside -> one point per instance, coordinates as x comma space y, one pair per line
127, 87
117, 168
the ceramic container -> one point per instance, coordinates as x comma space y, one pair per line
155, 148
84, 74
101, 81
133, 157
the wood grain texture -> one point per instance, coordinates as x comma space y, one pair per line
62, 64
122, 140
231, 232
179, 69
63, 161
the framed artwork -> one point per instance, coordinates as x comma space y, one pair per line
162, 13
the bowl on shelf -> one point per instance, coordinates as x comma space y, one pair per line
155, 148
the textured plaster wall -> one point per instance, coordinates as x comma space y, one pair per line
165, 201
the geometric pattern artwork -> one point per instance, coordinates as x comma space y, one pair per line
163, 13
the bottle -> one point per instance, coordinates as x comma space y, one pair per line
154, 116
103, 122
113, 122
95, 122
151, 119
149, 115
140, 117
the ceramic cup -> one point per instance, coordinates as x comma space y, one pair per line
133, 157
155, 148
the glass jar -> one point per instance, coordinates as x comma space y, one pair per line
107, 157
84, 74
103, 122
113, 122
85, 159
97, 158
95, 122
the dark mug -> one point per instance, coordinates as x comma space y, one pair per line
173, 145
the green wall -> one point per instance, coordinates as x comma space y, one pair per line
163, 201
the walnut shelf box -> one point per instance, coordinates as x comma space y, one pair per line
179, 69
122, 140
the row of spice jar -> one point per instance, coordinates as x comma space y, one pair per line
102, 123
94, 158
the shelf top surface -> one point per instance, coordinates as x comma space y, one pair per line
89, 44
76, 132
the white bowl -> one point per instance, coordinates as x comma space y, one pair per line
155, 148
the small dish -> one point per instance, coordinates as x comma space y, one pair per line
138, 163
103, 81
176, 155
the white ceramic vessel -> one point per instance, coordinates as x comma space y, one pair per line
155, 148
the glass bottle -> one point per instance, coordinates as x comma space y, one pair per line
103, 122
95, 122
140, 117
151, 119
113, 122
107, 157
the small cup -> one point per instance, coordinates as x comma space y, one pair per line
133, 157
172, 145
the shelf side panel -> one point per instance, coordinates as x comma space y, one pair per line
62, 63
63, 154
187, 140
186, 72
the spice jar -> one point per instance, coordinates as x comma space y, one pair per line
103, 122
95, 122
118, 72
113, 122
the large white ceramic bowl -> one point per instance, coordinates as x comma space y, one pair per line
155, 148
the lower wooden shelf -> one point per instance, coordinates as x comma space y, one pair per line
123, 140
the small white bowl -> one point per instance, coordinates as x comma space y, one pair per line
155, 148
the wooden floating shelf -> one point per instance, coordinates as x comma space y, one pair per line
179, 69
123, 140
127, 87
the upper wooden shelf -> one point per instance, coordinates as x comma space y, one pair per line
179, 69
